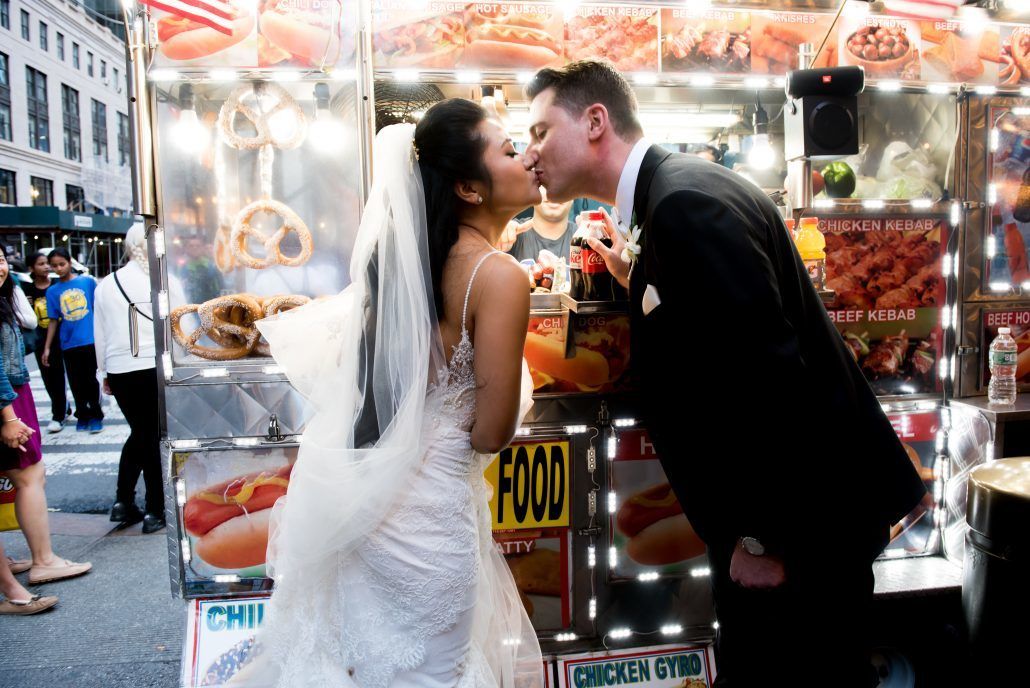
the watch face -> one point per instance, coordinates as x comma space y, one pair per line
753, 546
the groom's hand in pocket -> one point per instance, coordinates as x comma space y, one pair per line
618, 267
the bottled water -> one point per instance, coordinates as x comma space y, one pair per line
1004, 354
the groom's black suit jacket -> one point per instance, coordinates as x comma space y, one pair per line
764, 422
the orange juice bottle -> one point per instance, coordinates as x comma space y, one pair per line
812, 246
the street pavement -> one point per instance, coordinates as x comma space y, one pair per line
118, 626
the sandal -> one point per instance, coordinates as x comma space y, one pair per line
33, 605
19, 565
63, 569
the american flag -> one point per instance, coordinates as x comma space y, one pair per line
214, 13
928, 10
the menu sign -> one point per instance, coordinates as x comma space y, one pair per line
540, 563
1017, 320
776, 38
886, 275
413, 33
664, 666
886, 48
954, 51
1014, 66
710, 41
648, 528
530, 483
626, 35
914, 534
1009, 170
513, 35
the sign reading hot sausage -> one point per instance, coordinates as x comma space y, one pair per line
530, 486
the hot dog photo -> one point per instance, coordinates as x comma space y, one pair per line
229, 500
415, 36
597, 361
305, 33
183, 41
513, 36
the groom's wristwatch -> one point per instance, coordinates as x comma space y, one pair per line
752, 546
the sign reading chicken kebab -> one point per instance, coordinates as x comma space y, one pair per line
886, 275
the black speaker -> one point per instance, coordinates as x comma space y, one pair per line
832, 81
821, 116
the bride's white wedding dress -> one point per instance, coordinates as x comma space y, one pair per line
425, 599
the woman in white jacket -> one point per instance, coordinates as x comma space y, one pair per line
132, 380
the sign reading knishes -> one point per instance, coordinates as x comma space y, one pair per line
530, 485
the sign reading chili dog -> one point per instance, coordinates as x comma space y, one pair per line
530, 483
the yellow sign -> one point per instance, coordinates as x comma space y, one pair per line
530, 486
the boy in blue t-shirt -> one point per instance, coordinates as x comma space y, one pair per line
70, 305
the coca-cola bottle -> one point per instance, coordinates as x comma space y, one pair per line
577, 287
599, 283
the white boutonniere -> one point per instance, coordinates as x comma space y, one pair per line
631, 251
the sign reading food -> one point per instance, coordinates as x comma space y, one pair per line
712, 41
540, 563
776, 38
596, 362
626, 35
522, 35
649, 529
1017, 320
413, 33
530, 483
668, 666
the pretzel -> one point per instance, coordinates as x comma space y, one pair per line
242, 231
260, 119
273, 305
224, 258
227, 320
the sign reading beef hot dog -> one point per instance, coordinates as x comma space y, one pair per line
530, 485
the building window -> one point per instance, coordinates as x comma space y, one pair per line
123, 139
5, 99
100, 129
8, 195
117, 81
39, 118
5, 14
75, 56
44, 37
103, 69
42, 191
25, 25
74, 198
89, 63
72, 130
60, 46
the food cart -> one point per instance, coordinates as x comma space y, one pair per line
256, 146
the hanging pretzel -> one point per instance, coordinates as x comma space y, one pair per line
228, 321
273, 305
260, 118
242, 231
225, 261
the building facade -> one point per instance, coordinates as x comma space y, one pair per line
64, 126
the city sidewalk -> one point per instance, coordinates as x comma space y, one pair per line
116, 627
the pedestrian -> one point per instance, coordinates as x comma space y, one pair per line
21, 458
201, 275
132, 380
53, 374
69, 303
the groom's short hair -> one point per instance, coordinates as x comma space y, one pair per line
581, 84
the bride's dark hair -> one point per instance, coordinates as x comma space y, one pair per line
450, 150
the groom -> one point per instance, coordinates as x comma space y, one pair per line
773, 441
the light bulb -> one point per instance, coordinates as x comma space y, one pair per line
329, 133
283, 125
761, 156
190, 135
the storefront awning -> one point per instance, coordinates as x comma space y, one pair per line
52, 219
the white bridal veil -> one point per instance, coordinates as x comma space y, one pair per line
365, 359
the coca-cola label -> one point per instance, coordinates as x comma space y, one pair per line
1004, 358
576, 258
593, 263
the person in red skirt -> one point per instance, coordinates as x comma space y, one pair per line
21, 459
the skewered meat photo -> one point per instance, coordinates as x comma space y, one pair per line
896, 363
884, 269
629, 41
715, 41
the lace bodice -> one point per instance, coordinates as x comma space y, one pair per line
455, 397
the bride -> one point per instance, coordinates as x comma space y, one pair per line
385, 571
